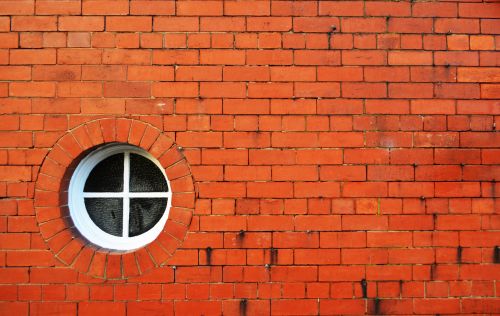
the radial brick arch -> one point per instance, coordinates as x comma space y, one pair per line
51, 199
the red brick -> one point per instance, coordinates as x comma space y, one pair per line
270, 223
129, 57
222, 89
438, 173
246, 73
47, 308
246, 139
222, 57
269, 24
316, 24
355, 306
468, 26
105, 73
423, 306
445, 139
15, 240
32, 56
390, 173
340, 73
246, 106
107, 7
270, 190
433, 74
161, 7
246, 8
294, 307
293, 173
364, 25
347, 8
32, 89
91, 308
247, 173
478, 74
341, 273
434, 9
10, 40
15, 173
295, 240
25, 7
343, 173
489, 156
212, 308
75, 56
412, 156
79, 89
364, 57
409, 58
490, 91
138, 308
317, 222
389, 239
174, 24
129, 24
410, 25
15, 73
19, 308
474, 305
489, 26
56, 73
197, 73
363, 256
454, 189
388, 272
218, 24
53, 275
271, 157
202, 8
477, 10
126, 90
391, 74
31, 23
82, 24
365, 156
411, 222
316, 57
364, 189
174, 89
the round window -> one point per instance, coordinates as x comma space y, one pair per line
119, 197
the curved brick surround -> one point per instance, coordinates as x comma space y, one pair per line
52, 212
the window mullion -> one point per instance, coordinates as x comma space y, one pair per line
103, 195
126, 191
149, 195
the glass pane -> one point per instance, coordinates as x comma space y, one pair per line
145, 176
107, 214
107, 176
144, 214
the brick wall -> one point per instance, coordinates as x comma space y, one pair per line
344, 154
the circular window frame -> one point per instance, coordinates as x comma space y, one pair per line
57, 230
80, 216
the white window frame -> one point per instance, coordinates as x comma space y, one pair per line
80, 216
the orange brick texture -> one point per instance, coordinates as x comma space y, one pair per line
326, 157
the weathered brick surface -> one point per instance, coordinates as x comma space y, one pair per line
326, 157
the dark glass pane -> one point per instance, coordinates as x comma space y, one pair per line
145, 176
144, 214
107, 176
107, 214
